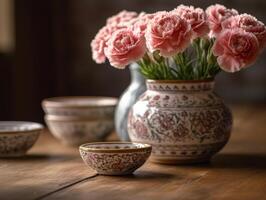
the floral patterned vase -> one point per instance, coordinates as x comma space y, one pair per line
184, 121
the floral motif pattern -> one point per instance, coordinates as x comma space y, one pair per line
174, 118
203, 123
169, 125
16, 144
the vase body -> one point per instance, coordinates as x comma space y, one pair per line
184, 121
127, 99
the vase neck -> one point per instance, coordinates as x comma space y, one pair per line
135, 74
182, 86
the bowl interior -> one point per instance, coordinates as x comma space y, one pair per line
18, 126
114, 146
84, 101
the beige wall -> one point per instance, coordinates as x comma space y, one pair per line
6, 26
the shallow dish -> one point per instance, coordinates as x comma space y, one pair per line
115, 158
16, 138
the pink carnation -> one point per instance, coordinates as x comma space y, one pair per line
116, 22
196, 17
216, 14
99, 43
121, 18
168, 33
249, 24
235, 49
124, 47
139, 24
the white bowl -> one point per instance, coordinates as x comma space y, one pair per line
77, 120
75, 131
16, 138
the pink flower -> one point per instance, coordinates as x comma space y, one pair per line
168, 33
139, 24
121, 18
196, 17
124, 47
99, 43
235, 49
249, 24
216, 14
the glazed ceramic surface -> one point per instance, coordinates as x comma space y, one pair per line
16, 138
185, 122
77, 120
76, 131
127, 99
86, 106
115, 158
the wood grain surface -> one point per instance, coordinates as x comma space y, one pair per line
53, 171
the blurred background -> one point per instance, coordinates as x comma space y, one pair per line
45, 52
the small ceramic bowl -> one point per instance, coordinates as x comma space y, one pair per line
16, 138
77, 120
115, 158
75, 131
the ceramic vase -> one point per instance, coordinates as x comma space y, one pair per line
127, 99
184, 121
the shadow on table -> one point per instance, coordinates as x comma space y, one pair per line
150, 175
41, 157
238, 161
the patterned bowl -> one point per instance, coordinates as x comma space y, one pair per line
16, 138
115, 158
75, 131
77, 120
80, 106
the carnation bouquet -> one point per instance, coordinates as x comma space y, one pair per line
186, 43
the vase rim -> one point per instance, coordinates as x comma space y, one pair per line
208, 80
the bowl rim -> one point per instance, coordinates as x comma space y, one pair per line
85, 147
19, 123
62, 118
56, 102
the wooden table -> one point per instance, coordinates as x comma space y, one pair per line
53, 171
